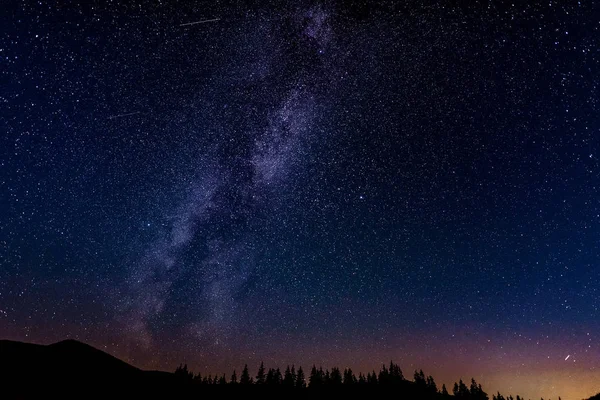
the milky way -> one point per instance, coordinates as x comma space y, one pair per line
220, 218
318, 182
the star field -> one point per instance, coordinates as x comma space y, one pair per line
337, 183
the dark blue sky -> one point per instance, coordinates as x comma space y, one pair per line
319, 183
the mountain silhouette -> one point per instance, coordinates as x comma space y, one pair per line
66, 364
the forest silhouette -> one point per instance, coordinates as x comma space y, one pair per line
62, 367
389, 380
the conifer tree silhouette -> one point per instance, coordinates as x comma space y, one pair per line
419, 379
288, 379
336, 376
383, 376
270, 379
461, 391
300, 379
372, 378
321, 375
313, 377
198, 378
361, 379
445, 393
349, 378
326, 378
477, 393
234, 380
498, 397
183, 373
431, 386
395, 373
245, 378
260, 376
316, 377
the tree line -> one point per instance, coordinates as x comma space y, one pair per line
388, 377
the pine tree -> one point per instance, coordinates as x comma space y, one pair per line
372, 378
300, 379
420, 379
349, 377
234, 378
383, 375
288, 379
315, 378
395, 373
260, 376
336, 376
445, 391
270, 380
245, 378
183, 373
476, 391
463, 391
361, 379
473, 388
431, 386
223, 380
482, 395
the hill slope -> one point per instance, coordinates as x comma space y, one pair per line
67, 363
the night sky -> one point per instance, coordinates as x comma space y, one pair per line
319, 182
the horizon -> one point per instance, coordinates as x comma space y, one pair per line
408, 373
315, 182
